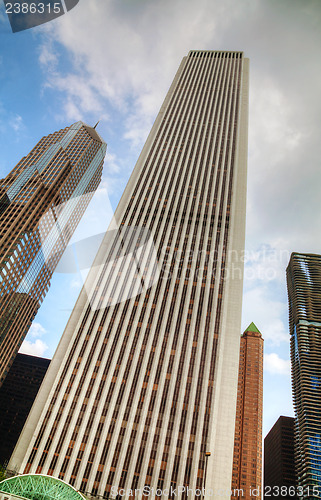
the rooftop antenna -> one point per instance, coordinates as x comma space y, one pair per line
96, 124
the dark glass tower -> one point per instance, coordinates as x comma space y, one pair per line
41, 202
17, 395
304, 291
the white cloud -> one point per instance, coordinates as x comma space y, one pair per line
124, 50
269, 313
48, 57
276, 130
111, 163
37, 348
76, 283
276, 365
16, 123
36, 330
124, 56
79, 97
266, 263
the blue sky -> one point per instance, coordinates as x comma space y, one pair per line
114, 60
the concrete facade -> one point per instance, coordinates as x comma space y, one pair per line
144, 380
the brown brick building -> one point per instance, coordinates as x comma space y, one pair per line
247, 463
41, 202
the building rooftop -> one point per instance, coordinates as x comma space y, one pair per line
252, 328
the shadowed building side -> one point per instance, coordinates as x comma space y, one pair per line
279, 465
17, 395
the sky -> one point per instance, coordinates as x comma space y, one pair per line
113, 61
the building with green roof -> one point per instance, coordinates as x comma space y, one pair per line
37, 487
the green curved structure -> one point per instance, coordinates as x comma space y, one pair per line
39, 487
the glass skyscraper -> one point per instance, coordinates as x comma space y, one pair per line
41, 202
142, 389
304, 291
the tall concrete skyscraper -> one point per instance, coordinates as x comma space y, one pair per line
144, 380
304, 286
41, 202
247, 463
279, 465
